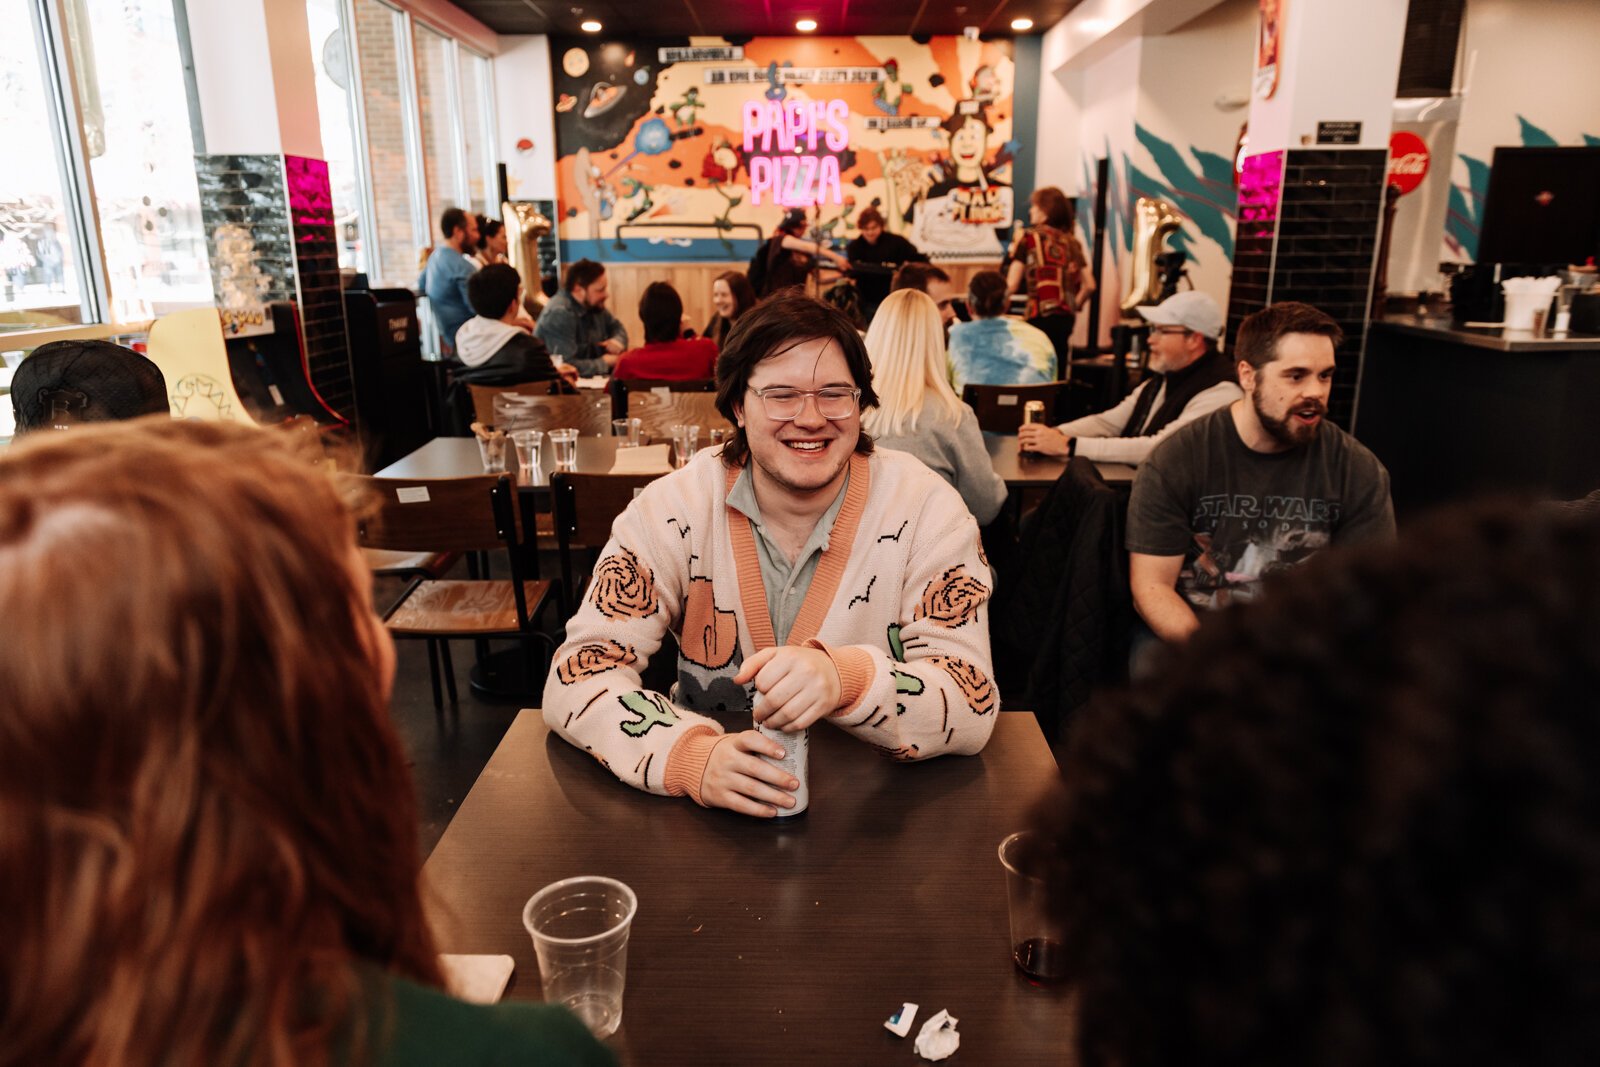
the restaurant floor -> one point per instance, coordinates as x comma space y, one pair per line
447, 750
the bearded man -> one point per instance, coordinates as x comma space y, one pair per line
1255, 487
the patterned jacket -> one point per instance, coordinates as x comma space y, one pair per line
897, 600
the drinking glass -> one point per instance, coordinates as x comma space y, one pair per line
1036, 946
627, 431
719, 434
564, 443
493, 451
684, 441
528, 444
580, 931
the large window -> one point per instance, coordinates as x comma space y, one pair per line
41, 270
477, 131
99, 206
334, 59
141, 155
441, 145
423, 134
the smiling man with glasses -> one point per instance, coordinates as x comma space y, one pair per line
1187, 378
804, 575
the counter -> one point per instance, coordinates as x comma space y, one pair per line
1455, 412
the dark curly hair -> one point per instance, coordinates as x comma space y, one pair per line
1355, 822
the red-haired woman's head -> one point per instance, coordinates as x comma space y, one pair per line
206, 819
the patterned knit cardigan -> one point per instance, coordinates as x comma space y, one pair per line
897, 600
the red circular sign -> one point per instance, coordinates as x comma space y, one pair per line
1408, 160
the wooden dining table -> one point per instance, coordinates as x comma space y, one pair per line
457, 457
763, 943
1030, 470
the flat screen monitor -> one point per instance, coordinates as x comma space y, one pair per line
1543, 206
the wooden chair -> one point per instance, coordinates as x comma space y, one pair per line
585, 506
1000, 407
477, 514
621, 388
661, 405
589, 412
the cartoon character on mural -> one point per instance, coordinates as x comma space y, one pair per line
966, 202
887, 92
632, 187
776, 90
594, 191
685, 108
985, 84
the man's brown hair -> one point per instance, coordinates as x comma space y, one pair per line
1257, 343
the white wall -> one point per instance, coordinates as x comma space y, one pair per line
1194, 89
1531, 60
255, 77
1338, 61
525, 108
1057, 155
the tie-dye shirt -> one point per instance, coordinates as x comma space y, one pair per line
1000, 351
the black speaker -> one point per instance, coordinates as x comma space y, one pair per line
1432, 40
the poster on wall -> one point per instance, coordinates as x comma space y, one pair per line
694, 148
1269, 56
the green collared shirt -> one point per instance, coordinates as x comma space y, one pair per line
786, 583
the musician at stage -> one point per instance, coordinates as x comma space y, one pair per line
874, 256
788, 258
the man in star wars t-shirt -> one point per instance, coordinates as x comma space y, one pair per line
1255, 487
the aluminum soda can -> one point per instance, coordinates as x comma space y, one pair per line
1032, 411
796, 760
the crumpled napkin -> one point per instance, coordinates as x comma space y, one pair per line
938, 1038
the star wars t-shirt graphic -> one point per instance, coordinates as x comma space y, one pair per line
1237, 516
1240, 539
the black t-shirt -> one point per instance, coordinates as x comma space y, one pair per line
1236, 515
890, 248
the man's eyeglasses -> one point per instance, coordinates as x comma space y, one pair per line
1169, 330
783, 404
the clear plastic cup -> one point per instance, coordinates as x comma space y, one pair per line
1036, 942
493, 451
580, 930
628, 432
528, 444
564, 443
685, 439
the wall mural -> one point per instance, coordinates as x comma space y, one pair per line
694, 149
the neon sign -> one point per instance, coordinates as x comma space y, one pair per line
781, 141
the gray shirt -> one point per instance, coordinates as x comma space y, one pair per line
953, 449
1236, 515
786, 583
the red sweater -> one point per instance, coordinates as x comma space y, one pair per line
673, 361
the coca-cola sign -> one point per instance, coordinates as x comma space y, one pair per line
1408, 160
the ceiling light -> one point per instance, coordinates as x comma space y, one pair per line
590, 26
806, 25
1022, 25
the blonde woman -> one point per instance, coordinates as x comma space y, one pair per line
917, 410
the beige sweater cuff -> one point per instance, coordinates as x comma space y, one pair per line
686, 763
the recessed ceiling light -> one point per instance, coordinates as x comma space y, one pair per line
806, 25
590, 26
1022, 25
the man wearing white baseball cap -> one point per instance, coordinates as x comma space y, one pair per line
1188, 377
